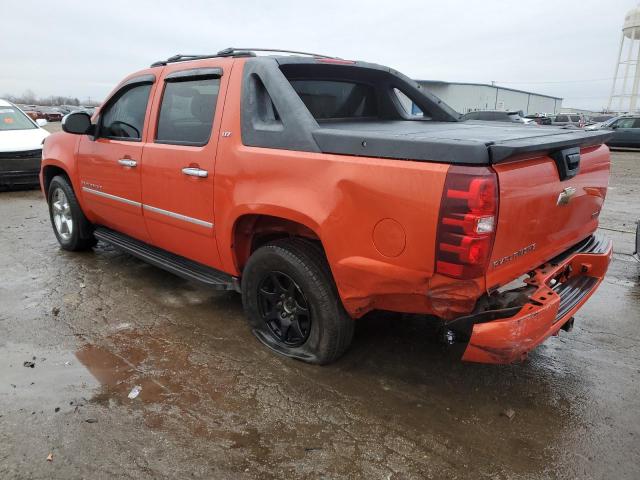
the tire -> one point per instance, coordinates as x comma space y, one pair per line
298, 266
72, 229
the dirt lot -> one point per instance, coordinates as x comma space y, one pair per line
216, 404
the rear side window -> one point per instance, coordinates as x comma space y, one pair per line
328, 99
575, 118
407, 104
124, 118
187, 111
625, 123
562, 118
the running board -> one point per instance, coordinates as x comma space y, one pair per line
171, 262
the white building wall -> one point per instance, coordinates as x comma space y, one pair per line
466, 98
511, 101
538, 104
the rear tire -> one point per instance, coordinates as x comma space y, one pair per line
72, 229
292, 304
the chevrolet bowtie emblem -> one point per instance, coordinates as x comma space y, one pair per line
566, 195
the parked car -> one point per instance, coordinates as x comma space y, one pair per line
51, 114
569, 119
89, 110
21, 141
601, 118
540, 119
601, 125
316, 195
497, 116
626, 131
64, 110
31, 111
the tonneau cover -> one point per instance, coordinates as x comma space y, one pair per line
470, 142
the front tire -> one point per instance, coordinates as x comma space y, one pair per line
73, 231
292, 304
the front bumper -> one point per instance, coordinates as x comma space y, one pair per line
20, 168
561, 287
28, 178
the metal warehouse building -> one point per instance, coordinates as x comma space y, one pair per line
468, 97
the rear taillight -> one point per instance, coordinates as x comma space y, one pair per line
468, 215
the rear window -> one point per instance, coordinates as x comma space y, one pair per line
187, 110
11, 118
330, 99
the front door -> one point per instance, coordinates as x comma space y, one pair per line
109, 165
179, 159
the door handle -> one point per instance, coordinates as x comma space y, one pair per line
195, 172
127, 162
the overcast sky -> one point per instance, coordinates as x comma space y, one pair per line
565, 48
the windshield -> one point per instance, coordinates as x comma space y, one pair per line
11, 118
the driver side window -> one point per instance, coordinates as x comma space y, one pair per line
124, 118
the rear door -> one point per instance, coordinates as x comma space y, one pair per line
109, 165
179, 160
634, 133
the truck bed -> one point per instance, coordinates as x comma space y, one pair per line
470, 142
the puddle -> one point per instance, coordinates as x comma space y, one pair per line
56, 380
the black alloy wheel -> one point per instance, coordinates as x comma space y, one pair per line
284, 308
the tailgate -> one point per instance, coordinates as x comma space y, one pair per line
541, 215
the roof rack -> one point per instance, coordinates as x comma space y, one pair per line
233, 52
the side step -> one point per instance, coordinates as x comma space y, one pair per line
175, 264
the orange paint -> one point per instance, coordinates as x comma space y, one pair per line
377, 219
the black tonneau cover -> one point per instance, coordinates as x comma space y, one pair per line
470, 142
274, 116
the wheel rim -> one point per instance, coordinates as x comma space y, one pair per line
284, 309
61, 211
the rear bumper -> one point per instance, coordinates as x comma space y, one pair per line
562, 286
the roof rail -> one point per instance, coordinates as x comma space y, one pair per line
232, 52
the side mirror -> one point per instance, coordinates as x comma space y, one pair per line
77, 123
41, 122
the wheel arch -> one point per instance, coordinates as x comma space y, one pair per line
253, 230
50, 171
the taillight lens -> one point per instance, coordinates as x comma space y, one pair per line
468, 215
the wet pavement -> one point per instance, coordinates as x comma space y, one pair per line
214, 403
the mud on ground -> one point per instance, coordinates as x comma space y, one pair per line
214, 403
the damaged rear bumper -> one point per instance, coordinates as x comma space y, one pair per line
555, 291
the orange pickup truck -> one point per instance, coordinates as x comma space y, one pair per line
311, 185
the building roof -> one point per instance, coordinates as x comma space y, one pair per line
441, 82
